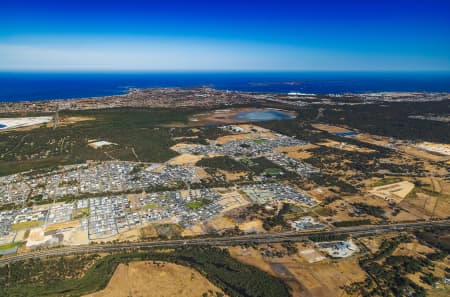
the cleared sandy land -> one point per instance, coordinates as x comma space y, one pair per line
64, 120
232, 200
298, 152
255, 226
219, 224
330, 128
233, 176
420, 153
311, 255
12, 123
426, 206
373, 139
412, 249
396, 191
156, 279
195, 230
251, 135
65, 225
324, 279
345, 146
76, 237
320, 279
185, 160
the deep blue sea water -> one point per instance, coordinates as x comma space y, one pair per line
37, 86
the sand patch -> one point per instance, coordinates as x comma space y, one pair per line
299, 152
345, 146
65, 225
395, 192
330, 128
184, 160
255, 226
13, 123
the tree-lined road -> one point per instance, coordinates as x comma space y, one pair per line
222, 241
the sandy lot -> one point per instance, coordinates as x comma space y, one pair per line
311, 255
219, 224
63, 120
420, 153
76, 237
330, 128
255, 226
298, 152
65, 225
12, 123
232, 200
412, 249
426, 206
233, 176
396, 191
155, 279
184, 160
372, 139
345, 146
321, 279
195, 230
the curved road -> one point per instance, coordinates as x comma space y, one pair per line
222, 241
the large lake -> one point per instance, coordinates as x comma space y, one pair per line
263, 115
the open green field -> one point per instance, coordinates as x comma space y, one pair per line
150, 206
9, 246
81, 213
26, 225
198, 203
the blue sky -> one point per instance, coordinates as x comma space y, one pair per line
225, 35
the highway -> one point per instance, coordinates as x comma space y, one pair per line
221, 241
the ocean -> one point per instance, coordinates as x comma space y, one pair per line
20, 86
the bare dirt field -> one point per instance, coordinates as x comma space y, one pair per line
219, 224
321, 279
412, 249
395, 191
254, 226
184, 160
233, 176
427, 206
156, 279
65, 225
242, 136
416, 152
232, 200
372, 139
195, 230
24, 122
330, 128
298, 152
345, 146
72, 120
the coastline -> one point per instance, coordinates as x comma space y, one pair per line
208, 97
40, 86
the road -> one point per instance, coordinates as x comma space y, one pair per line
222, 241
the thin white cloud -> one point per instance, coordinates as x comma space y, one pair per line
106, 53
